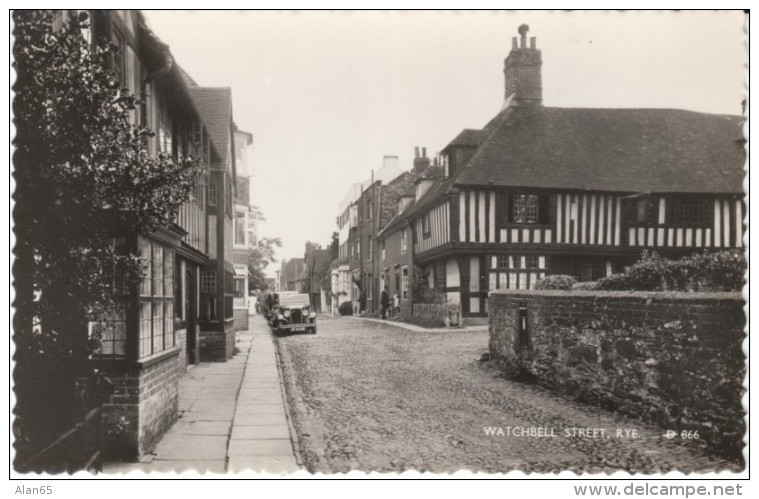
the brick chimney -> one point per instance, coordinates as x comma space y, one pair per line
421, 161
521, 70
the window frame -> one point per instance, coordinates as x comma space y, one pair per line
708, 212
545, 212
159, 303
642, 212
505, 269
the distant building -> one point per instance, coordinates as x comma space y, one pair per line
317, 263
293, 275
244, 229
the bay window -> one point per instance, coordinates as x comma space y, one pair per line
156, 319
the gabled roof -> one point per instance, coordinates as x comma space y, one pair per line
626, 150
215, 107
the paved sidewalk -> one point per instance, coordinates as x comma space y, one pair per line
232, 416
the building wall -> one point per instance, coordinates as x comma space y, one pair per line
674, 359
241, 319
142, 408
392, 267
217, 345
597, 220
439, 218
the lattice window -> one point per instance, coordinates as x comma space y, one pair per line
212, 194
525, 208
156, 320
208, 281
690, 211
516, 271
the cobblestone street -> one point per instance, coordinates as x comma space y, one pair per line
375, 397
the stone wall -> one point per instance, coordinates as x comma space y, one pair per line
672, 359
143, 406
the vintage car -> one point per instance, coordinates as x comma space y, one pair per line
293, 313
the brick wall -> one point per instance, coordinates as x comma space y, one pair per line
143, 406
241, 319
217, 346
673, 359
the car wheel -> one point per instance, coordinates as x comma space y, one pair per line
313, 330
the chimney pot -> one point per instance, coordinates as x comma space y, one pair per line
514, 45
532, 42
416, 151
424, 152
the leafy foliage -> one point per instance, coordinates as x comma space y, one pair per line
85, 187
421, 292
259, 258
345, 308
556, 282
707, 271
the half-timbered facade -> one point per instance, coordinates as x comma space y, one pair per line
582, 192
217, 329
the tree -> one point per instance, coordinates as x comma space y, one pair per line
259, 258
85, 186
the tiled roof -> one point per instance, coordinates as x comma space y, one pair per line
467, 137
215, 107
628, 150
432, 172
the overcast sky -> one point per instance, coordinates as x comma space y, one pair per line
328, 94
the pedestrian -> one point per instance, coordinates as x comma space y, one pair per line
385, 302
362, 302
397, 303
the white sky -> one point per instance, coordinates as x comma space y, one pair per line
328, 94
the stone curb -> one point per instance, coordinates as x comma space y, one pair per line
419, 329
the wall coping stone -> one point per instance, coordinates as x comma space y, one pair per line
643, 295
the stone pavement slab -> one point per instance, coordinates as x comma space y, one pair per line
269, 464
232, 416
268, 432
260, 448
183, 447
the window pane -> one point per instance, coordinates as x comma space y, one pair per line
168, 273
145, 253
145, 329
168, 321
158, 328
525, 208
157, 270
